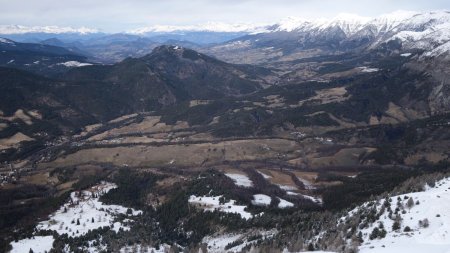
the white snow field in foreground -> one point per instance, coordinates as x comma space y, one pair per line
212, 203
218, 243
39, 244
433, 205
261, 200
240, 180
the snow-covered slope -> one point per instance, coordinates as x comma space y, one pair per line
348, 23
423, 222
83, 213
425, 31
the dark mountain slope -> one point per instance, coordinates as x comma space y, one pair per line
38, 58
171, 74
98, 93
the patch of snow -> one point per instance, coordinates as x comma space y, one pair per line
307, 184
318, 251
240, 180
212, 204
406, 55
84, 207
144, 249
287, 187
284, 204
217, 243
39, 244
11, 61
314, 199
292, 193
368, 70
265, 176
261, 200
75, 64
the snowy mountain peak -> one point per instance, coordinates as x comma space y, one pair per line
207, 27
349, 23
290, 24
19, 29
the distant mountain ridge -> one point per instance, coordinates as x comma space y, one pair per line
407, 31
21, 29
424, 34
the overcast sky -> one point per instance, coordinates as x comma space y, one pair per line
121, 15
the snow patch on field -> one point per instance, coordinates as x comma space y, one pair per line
84, 212
144, 249
307, 184
218, 243
39, 244
75, 64
284, 204
261, 200
368, 70
265, 176
406, 55
213, 203
286, 251
287, 187
314, 199
240, 180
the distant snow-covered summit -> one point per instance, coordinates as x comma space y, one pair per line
207, 27
20, 29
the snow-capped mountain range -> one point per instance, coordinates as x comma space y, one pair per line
20, 29
349, 23
207, 27
428, 32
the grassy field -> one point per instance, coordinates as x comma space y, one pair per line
180, 154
